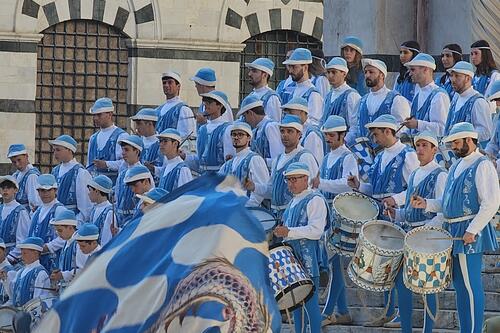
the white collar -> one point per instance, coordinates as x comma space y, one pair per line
102, 204
293, 152
430, 86
261, 89
151, 138
175, 160
342, 87
381, 91
429, 166
13, 203
217, 120
50, 204
468, 92
306, 83
472, 156
395, 147
32, 265
108, 129
243, 152
263, 121
302, 194
69, 163
173, 99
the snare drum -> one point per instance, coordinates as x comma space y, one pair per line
378, 256
362, 151
427, 262
290, 282
445, 157
266, 218
7, 314
37, 307
351, 211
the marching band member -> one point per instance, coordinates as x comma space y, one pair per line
317, 72
100, 188
451, 54
87, 239
341, 100
337, 166
298, 67
104, 154
246, 164
174, 113
493, 147
468, 105
139, 180
470, 199
72, 178
14, 218
427, 181
285, 87
266, 139
312, 138
404, 83
151, 197
145, 125
379, 101
259, 73
174, 172
304, 221
431, 103
32, 280
5, 268
486, 69
291, 130
352, 51
389, 177
26, 176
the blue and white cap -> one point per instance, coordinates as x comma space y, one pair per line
65, 141
146, 114
422, 59
32, 243
172, 74
132, 140
462, 67
299, 56
9, 178
338, 63
378, 64
242, 126
153, 195
205, 76
170, 133
334, 123
494, 91
262, 64
296, 103
461, 131
135, 173
64, 217
2, 243
87, 232
353, 42
297, 168
101, 183
292, 121
46, 181
102, 105
16, 150
248, 103
384, 121
220, 97
427, 136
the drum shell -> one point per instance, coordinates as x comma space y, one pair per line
267, 220
7, 314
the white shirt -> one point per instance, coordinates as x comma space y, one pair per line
315, 102
487, 189
149, 140
41, 281
316, 218
102, 138
57, 243
438, 112
493, 147
350, 167
313, 143
322, 85
185, 175
352, 109
80, 260
108, 221
23, 225
186, 124
480, 114
91, 253
273, 135
273, 106
82, 192
30, 188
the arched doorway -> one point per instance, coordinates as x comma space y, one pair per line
78, 62
274, 45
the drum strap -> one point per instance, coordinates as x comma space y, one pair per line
460, 219
428, 311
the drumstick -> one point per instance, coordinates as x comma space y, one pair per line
369, 196
187, 137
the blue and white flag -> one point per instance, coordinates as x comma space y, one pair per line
196, 263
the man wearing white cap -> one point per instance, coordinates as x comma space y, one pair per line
493, 147
430, 104
72, 178
104, 153
380, 100
470, 199
174, 172
468, 105
285, 87
298, 67
145, 126
266, 138
26, 176
341, 100
174, 113
259, 72
246, 165
14, 218
291, 130
139, 180
305, 219
102, 214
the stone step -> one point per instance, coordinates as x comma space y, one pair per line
286, 328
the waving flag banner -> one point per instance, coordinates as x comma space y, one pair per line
195, 263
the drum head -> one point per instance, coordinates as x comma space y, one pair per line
7, 313
384, 235
293, 296
355, 207
421, 241
265, 217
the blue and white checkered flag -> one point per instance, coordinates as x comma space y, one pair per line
196, 263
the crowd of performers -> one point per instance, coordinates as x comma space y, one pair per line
292, 150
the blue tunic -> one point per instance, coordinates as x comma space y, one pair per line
332, 173
423, 112
4, 297
314, 129
107, 153
360, 84
260, 142
210, 147
169, 182
406, 87
446, 85
99, 220
67, 257
242, 170
170, 119
481, 82
285, 93
463, 114
338, 107
152, 154
22, 194
24, 287
66, 191
265, 98
8, 226
125, 204
365, 117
